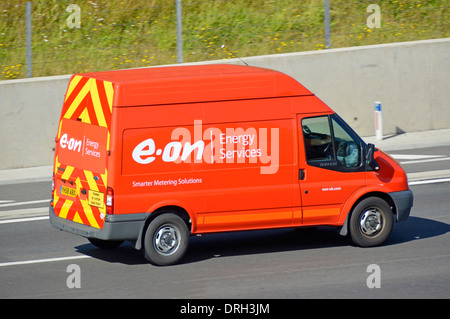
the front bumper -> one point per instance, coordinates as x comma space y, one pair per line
116, 227
403, 203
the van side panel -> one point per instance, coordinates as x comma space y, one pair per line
81, 152
230, 164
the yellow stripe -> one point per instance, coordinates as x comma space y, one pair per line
55, 198
78, 183
77, 218
68, 172
107, 141
84, 116
55, 168
72, 85
76, 102
59, 129
97, 105
65, 208
109, 93
89, 214
91, 181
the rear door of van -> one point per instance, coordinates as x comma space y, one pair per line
81, 152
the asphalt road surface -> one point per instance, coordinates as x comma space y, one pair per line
38, 261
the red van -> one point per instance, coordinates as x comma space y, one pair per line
158, 154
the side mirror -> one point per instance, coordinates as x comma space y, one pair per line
370, 158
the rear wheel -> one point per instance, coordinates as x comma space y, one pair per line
166, 240
371, 222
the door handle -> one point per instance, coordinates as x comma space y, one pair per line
301, 174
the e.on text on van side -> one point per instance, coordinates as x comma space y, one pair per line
236, 145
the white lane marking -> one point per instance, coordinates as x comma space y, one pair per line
430, 181
413, 157
19, 220
26, 203
426, 160
23, 213
417, 159
37, 261
6, 201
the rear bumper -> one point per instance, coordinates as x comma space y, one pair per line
116, 227
403, 203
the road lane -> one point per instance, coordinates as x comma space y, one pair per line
282, 263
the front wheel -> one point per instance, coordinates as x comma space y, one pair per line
371, 222
166, 240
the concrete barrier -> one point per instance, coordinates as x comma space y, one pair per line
410, 79
29, 119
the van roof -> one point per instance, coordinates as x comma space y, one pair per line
198, 83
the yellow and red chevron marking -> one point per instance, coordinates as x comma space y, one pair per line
95, 98
78, 209
90, 100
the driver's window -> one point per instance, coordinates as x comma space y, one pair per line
330, 143
318, 141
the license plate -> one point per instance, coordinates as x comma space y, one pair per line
68, 191
96, 199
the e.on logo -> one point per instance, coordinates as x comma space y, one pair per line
71, 144
172, 151
253, 145
82, 145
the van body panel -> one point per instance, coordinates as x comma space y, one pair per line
390, 177
190, 84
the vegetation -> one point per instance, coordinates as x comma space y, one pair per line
116, 34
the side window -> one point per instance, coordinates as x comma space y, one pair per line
318, 141
330, 144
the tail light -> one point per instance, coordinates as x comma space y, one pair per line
109, 201
53, 190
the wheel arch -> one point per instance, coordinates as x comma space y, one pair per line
174, 209
350, 208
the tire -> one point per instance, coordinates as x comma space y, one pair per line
105, 244
166, 240
371, 222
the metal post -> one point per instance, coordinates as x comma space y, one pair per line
327, 24
179, 32
378, 121
28, 35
